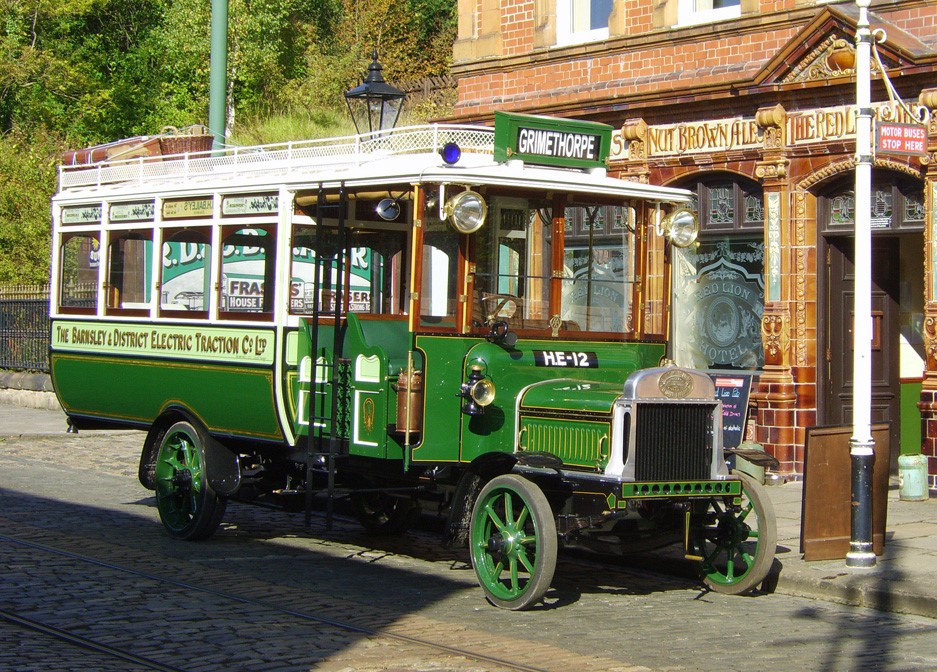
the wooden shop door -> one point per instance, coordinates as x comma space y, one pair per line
837, 350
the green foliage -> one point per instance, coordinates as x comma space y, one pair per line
27, 182
284, 125
84, 72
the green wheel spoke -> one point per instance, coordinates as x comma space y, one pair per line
730, 570
515, 582
508, 508
522, 518
489, 510
524, 560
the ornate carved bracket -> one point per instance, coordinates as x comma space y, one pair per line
930, 341
634, 133
775, 334
774, 122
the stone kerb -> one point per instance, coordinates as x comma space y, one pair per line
31, 390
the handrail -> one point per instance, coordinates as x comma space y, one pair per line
291, 157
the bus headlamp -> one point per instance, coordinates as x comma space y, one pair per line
680, 227
466, 211
478, 392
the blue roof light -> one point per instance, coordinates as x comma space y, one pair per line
450, 153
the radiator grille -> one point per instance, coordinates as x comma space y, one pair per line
582, 444
672, 441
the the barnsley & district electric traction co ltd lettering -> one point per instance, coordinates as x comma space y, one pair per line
229, 345
559, 144
566, 358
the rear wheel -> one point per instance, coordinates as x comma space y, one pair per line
737, 543
188, 507
513, 542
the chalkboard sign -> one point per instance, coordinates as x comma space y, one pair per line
732, 391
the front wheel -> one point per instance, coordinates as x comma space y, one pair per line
736, 542
188, 507
513, 542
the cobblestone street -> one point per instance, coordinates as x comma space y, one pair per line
83, 552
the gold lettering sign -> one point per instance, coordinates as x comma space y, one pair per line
803, 127
185, 208
837, 123
705, 136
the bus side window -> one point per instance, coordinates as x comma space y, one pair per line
185, 272
128, 270
377, 274
78, 273
248, 255
438, 298
512, 278
373, 269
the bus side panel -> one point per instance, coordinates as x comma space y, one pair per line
373, 353
228, 399
444, 361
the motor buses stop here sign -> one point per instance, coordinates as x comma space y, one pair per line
901, 138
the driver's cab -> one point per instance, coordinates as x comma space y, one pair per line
560, 267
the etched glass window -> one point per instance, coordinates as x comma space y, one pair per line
754, 209
718, 284
721, 211
719, 297
914, 207
843, 209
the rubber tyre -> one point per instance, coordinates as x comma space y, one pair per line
188, 507
737, 548
513, 542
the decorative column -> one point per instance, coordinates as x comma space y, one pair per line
775, 396
634, 135
928, 404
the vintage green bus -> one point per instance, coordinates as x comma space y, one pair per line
469, 316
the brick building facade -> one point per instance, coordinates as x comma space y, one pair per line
751, 104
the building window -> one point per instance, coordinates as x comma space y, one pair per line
719, 292
579, 21
897, 204
691, 12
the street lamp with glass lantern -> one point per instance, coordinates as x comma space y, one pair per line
374, 100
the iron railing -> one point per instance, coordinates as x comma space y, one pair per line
24, 327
